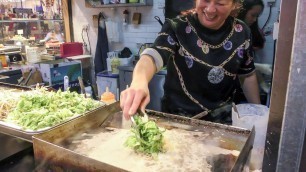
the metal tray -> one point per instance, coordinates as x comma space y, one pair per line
15, 130
52, 151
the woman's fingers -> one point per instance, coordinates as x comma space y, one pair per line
138, 99
131, 100
128, 100
144, 103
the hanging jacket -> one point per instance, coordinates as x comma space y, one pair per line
102, 46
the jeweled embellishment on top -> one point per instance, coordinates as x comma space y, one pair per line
205, 48
240, 52
181, 52
228, 45
215, 75
188, 29
238, 28
199, 43
189, 62
170, 40
247, 44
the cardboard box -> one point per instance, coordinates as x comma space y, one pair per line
53, 72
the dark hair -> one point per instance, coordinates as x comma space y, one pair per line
234, 12
258, 38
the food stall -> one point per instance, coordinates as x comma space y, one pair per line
80, 144
95, 142
221, 146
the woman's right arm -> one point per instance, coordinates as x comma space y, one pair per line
138, 95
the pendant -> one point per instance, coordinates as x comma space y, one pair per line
215, 75
205, 48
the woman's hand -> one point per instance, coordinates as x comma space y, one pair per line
133, 98
138, 95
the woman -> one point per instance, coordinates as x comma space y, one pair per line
56, 35
205, 51
250, 12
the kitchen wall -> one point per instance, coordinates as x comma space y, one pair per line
147, 31
130, 34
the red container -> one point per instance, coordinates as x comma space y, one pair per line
71, 49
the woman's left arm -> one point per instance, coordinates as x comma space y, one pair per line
250, 88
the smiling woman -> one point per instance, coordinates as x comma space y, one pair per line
205, 50
212, 14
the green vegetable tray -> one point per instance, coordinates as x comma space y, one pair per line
15, 130
57, 149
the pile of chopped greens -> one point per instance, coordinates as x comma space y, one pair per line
42, 108
147, 138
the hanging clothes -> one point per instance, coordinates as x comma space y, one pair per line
102, 46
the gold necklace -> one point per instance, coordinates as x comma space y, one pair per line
216, 74
205, 46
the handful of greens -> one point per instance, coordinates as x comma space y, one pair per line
146, 138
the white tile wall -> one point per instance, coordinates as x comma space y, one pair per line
147, 31
131, 34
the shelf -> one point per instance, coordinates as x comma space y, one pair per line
28, 20
90, 4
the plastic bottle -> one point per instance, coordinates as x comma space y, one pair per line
88, 92
66, 83
115, 62
108, 97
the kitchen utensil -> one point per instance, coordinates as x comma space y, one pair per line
143, 115
82, 86
158, 19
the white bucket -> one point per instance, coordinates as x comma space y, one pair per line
253, 115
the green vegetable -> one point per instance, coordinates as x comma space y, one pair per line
146, 137
40, 108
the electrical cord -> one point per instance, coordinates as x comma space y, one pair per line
85, 45
269, 16
88, 41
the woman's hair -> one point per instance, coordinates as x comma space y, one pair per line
258, 39
234, 12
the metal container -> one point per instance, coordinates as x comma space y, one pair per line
16, 131
52, 151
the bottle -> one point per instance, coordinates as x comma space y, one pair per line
88, 92
108, 97
115, 62
66, 83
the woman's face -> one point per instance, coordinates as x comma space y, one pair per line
213, 13
57, 27
252, 15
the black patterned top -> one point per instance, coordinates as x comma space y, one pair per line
202, 64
